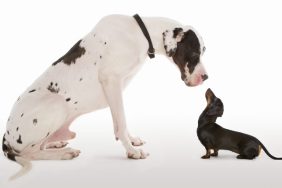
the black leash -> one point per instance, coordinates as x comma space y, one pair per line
151, 50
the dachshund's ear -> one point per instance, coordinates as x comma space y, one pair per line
212, 112
216, 110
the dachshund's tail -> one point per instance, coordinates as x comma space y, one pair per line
266, 151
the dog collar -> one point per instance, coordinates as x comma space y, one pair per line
151, 50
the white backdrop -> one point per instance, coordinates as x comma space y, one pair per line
243, 60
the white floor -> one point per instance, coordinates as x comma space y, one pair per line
174, 159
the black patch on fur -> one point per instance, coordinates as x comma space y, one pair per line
68, 99
70, 57
8, 132
80, 79
53, 88
18, 98
75, 102
4, 146
188, 51
34, 121
32, 145
22, 114
11, 156
31, 91
100, 57
17, 129
48, 134
8, 150
19, 140
105, 43
176, 31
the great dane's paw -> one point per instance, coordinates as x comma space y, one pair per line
136, 141
70, 154
56, 145
137, 154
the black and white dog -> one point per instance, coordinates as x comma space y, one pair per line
91, 76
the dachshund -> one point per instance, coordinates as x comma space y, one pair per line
214, 137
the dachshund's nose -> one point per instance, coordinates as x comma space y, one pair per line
204, 77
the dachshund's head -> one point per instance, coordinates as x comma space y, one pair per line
214, 104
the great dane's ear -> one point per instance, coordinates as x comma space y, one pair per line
171, 38
178, 34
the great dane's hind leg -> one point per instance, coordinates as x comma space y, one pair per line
59, 144
59, 138
113, 92
54, 154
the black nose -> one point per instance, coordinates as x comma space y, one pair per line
204, 77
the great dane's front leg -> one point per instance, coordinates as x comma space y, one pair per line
113, 92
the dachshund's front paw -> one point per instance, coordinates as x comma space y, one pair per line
205, 157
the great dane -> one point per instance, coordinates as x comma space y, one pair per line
92, 76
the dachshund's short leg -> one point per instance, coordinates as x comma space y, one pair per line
249, 157
248, 153
240, 156
207, 155
215, 153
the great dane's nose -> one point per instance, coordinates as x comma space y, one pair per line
204, 77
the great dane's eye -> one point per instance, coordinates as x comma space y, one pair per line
195, 57
195, 54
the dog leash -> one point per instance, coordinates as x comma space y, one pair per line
151, 50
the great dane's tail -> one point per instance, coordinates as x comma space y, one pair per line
26, 167
14, 156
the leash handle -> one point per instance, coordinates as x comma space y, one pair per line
151, 50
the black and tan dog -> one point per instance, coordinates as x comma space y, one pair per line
215, 137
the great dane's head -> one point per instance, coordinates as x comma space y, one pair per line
186, 48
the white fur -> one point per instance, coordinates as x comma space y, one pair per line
115, 50
195, 78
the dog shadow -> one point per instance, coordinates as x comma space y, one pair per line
110, 157
225, 157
